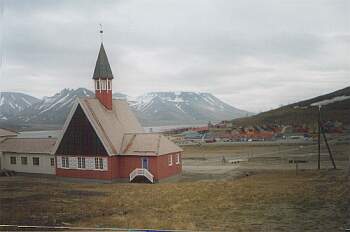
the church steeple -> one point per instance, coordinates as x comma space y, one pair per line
102, 69
103, 79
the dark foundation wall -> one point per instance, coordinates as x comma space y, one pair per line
80, 138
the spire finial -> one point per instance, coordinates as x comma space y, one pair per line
101, 32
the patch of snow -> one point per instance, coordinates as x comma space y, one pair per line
144, 107
330, 101
70, 101
12, 106
179, 107
209, 99
211, 108
177, 93
47, 101
144, 98
53, 105
2, 101
300, 107
26, 101
131, 98
177, 99
86, 93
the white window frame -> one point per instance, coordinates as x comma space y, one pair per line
109, 84
24, 158
98, 163
81, 163
13, 159
97, 84
65, 162
38, 161
104, 85
170, 160
52, 164
177, 159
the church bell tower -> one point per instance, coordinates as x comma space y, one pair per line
103, 79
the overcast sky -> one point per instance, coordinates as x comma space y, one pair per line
255, 55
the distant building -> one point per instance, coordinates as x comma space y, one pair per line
25, 155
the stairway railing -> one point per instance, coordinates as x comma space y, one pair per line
141, 172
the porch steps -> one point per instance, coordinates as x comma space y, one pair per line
141, 172
4, 172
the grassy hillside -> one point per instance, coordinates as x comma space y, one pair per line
297, 113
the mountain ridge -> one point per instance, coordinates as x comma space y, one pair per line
182, 106
335, 107
152, 109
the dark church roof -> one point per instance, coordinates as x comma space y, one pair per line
102, 69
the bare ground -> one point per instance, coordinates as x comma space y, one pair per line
264, 194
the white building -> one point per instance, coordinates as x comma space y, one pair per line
28, 155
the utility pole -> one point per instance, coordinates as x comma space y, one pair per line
321, 130
319, 138
349, 168
329, 149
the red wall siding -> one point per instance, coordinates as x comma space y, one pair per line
122, 166
127, 164
164, 170
105, 97
113, 165
158, 166
110, 174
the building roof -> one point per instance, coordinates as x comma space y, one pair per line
147, 143
109, 125
26, 145
102, 68
6, 133
119, 130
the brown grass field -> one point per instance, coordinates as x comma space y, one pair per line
266, 200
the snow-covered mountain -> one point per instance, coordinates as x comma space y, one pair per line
171, 108
152, 109
53, 109
121, 96
11, 103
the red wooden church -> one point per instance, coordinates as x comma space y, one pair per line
102, 139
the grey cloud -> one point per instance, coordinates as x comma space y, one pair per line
238, 50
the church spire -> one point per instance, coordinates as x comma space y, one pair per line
102, 68
103, 77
